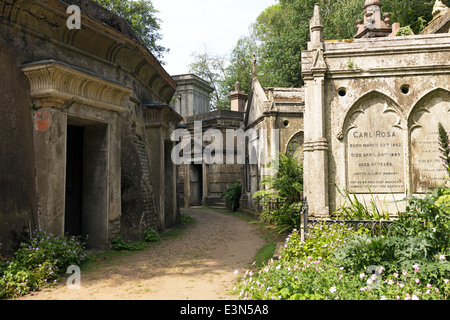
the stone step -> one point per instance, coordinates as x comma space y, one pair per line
278, 247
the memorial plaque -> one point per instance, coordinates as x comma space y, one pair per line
427, 166
375, 151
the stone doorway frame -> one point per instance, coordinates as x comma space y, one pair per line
63, 94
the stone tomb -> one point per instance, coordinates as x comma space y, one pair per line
375, 153
372, 110
426, 165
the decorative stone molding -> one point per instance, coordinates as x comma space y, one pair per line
57, 81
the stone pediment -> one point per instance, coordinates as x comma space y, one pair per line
68, 84
257, 104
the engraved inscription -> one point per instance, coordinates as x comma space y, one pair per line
427, 168
375, 151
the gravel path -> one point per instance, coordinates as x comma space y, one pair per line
197, 265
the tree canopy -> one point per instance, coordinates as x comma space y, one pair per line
281, 32
141, 15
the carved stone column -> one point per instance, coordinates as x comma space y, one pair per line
316, 145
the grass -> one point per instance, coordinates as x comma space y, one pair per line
264, 254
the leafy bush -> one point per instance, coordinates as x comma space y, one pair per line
427, 217
38, 261
284, 189
233, 195
120, 244
308, 271
151, 235
323, 240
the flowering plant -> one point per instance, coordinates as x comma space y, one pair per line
39, 261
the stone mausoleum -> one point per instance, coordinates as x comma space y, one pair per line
85, 146
88, 117
366, 119
372, 110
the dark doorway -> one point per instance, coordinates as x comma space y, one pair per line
74, 181
196, 179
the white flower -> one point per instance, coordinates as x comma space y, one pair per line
442, 257
362, 275
333, 289
383, 298
414, 297
236, 271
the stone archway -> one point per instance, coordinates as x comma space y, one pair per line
426, 166
294, 147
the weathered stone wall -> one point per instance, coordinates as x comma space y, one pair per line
105, 76
205, 182
18, 200
192, 96
382, 101
278, 112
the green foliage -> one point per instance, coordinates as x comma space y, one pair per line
323, 241
281, 32
185, 219
444, 143
358, 271
120, 244
336, 262
427, 217
149, 236
38, 261
405, 31
211, 68
140, 15
363, 251
282, 189
353, 209
232, 195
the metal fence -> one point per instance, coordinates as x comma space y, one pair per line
376, 227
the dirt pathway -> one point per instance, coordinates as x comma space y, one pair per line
198, 265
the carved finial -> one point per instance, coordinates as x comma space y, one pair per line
316, 30
439, 7
374, 25
237, 86
372, 3
387, 18
316, 20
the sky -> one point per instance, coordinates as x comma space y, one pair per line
212, 26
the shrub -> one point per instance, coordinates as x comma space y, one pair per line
38, 261
303, 274
120, 244
321, 242
233, 195
151, 235
284, 189
426, 217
